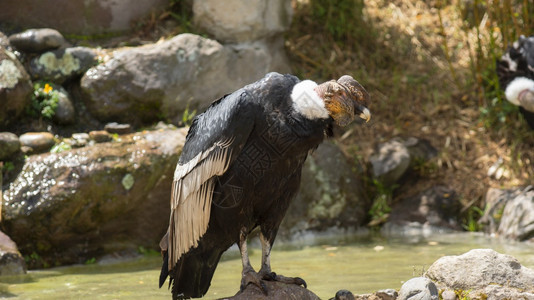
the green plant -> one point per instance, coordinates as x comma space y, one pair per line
381, 208
90, 261
60, 147
44, 100
7, 166
188, 116
470, 221
150, 252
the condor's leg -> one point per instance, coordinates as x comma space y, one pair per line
248, 275
265, 271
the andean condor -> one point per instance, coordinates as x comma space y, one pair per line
516, 75
239, 169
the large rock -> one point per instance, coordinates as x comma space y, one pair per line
517, 221
393, 158
11, 262
330, 195
509, 213
70, 206
161, 80
482, 272
242, 20
275, 291
434, 209
15, 88
80, 17
390, 161
37, 40
61, 65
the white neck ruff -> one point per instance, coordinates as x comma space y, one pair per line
307, 102
515, 88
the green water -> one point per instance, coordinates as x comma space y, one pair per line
361, 265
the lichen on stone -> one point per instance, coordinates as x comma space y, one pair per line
128, 181
9, 74
66, 64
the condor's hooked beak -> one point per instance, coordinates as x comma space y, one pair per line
365, 114
357, 95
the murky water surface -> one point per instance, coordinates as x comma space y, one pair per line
359, 264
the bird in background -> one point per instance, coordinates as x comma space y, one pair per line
239, 169
515, 70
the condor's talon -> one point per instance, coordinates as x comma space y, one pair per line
269, 276
253, 278
291, 280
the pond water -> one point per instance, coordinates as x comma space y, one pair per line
361, 264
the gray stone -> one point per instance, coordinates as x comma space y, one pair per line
390, 161
37, 40
509, 213
330, 195
517, 221
9, 145
11, 262
64, 113
496, 200
484, 272
38, 141
448, 295
235, 21
72, 206
15, 88
61, 65
162, 80
387, 294
79, 17
418, 288
437, 206
80, 139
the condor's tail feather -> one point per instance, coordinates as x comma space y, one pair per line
164, 269
192, 274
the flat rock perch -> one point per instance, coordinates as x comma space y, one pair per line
275, 290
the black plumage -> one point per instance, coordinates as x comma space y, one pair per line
239, 169
518, 63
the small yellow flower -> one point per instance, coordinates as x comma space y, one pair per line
47, 88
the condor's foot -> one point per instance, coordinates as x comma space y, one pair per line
272, 276
251, 277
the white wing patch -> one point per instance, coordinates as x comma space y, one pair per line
192, 192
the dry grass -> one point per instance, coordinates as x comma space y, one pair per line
427, 66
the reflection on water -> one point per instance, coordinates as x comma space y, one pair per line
361, 265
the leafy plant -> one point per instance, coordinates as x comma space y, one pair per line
90, 261
470, 222
7, 166
188, 116
381, 208
60, 147
44, 100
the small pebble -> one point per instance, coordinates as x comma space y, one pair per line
38, 141
118, 128
100, 136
